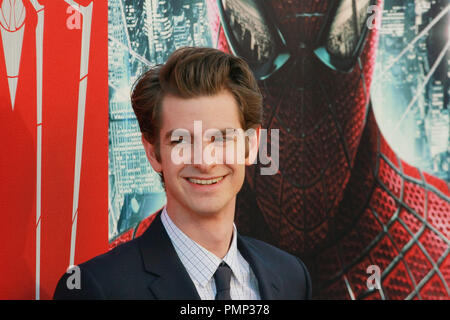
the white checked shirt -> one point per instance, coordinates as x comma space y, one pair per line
202, 264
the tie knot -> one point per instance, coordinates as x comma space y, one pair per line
222, 277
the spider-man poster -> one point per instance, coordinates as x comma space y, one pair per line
358, 89
53, 124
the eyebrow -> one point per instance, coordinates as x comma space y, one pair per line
169, 133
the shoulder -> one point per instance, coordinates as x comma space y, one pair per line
102, 275
290, 268
124, 254
271, 252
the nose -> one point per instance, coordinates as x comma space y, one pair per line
204, 167
204, 155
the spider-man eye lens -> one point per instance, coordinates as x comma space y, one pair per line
345, 34
252, 36
347, 28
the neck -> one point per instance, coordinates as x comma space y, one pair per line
213, 230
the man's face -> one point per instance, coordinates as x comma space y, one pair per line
188, 185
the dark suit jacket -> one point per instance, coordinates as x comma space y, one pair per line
148, 267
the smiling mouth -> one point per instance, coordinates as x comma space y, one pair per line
205, 181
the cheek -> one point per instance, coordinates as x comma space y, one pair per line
169, 168
238, 176
235, 152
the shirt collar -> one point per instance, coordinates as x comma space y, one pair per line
231, 258
195, 257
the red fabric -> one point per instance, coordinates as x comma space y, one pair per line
61, 77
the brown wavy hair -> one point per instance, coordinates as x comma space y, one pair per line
191, 72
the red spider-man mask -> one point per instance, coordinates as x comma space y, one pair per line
314, 60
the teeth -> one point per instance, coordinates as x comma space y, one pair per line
211, 181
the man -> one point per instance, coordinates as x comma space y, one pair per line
192, 249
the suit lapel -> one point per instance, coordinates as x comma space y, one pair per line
269, 282
171, 280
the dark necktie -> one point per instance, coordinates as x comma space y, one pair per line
222, 278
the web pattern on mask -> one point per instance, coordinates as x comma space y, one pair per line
389, 214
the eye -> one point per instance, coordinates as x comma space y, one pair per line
252, 35
179, 140
227, 139
345, 34
180, 136
217, 139
347, 27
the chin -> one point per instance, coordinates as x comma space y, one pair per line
206, 209
209, 207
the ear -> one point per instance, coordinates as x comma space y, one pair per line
151, 154
253, 146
